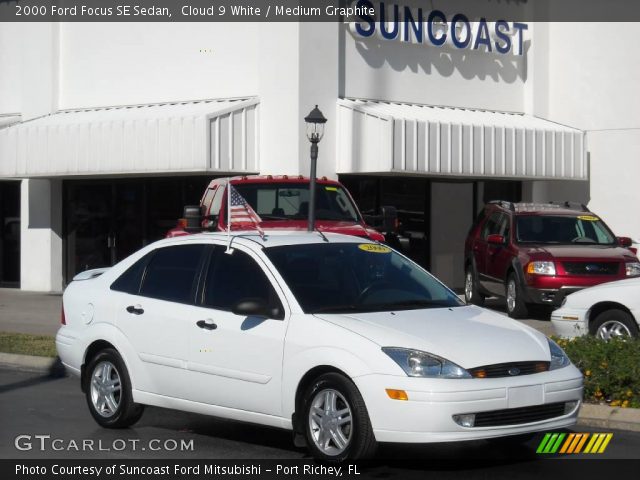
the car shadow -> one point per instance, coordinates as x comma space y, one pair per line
536, 312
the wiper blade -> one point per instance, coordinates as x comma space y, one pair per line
415, 303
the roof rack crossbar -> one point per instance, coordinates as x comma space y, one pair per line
573, 205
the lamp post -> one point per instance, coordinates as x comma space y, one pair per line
315, 129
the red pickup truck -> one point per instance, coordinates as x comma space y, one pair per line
282, 202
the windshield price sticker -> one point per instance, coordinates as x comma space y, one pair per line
331, 189
588, 218
374, 248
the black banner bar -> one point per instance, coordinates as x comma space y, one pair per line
313, 10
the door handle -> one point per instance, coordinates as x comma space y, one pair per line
135, 309
207, 324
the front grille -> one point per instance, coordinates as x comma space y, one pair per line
591, 268
519, 416
512, 369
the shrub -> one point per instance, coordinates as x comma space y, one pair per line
611, 369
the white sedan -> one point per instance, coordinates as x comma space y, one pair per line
606, 311
343, 341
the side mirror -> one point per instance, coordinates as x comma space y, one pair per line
193, 217
389, 218
210, 223
255, 307
495, 239
625, 242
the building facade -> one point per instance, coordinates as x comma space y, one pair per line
107, 129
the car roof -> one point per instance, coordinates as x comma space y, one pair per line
271, 238
524, 208
262, 179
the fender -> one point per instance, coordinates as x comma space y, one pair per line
110, 333
297, 366
519, 272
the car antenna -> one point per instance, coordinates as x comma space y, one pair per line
322, 235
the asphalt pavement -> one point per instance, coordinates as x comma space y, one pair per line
47, 417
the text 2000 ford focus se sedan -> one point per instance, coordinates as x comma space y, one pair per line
344, 341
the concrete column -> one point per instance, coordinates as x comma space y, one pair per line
298, 69
41, 235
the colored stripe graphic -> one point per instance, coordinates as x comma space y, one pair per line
574, 443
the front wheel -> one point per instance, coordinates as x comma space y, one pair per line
614, 324
337, 423
108, 391
516, 306
471, 293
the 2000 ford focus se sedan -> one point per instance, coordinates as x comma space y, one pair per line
344, 341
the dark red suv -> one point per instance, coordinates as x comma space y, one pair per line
539, 253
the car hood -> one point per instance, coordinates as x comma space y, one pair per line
592, 252
468, 336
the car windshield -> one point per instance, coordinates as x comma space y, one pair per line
567, 230
352, 277
290, 201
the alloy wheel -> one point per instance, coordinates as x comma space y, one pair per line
106, 389
468, 287
612, 329
330, 422
511, 295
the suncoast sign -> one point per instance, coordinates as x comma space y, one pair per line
433, 27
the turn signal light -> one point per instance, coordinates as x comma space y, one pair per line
480, 373
397, 394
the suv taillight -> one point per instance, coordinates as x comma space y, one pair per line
63, 320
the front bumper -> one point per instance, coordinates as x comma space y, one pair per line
427, 416
549, 296
570, 323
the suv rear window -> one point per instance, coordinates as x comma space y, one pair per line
290, 201
557, 229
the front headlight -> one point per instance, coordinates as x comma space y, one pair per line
421, 364
559, 359
632, 269
541, 268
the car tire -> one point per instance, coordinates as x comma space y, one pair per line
516, 306
335, 420
471, 293
108, 391
613, 323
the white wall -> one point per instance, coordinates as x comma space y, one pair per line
592, 77
10, 68
105, 64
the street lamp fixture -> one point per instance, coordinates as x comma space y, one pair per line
315, 130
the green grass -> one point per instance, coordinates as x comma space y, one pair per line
39, 345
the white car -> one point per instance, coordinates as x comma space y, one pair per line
344, 341
607, 310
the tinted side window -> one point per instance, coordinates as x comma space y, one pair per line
235, 277
492, 225
172, 272
129, 281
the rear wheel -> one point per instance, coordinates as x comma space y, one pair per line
614, 324
337, 423
108, 391
516, 306
471, 293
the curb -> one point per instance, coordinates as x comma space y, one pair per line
31, 363
597, 416
603, 416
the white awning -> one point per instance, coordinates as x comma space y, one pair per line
180, 137
381, 137
9, 119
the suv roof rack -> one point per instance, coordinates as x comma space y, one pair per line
503, 204
524, 206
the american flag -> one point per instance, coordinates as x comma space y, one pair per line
240, 210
